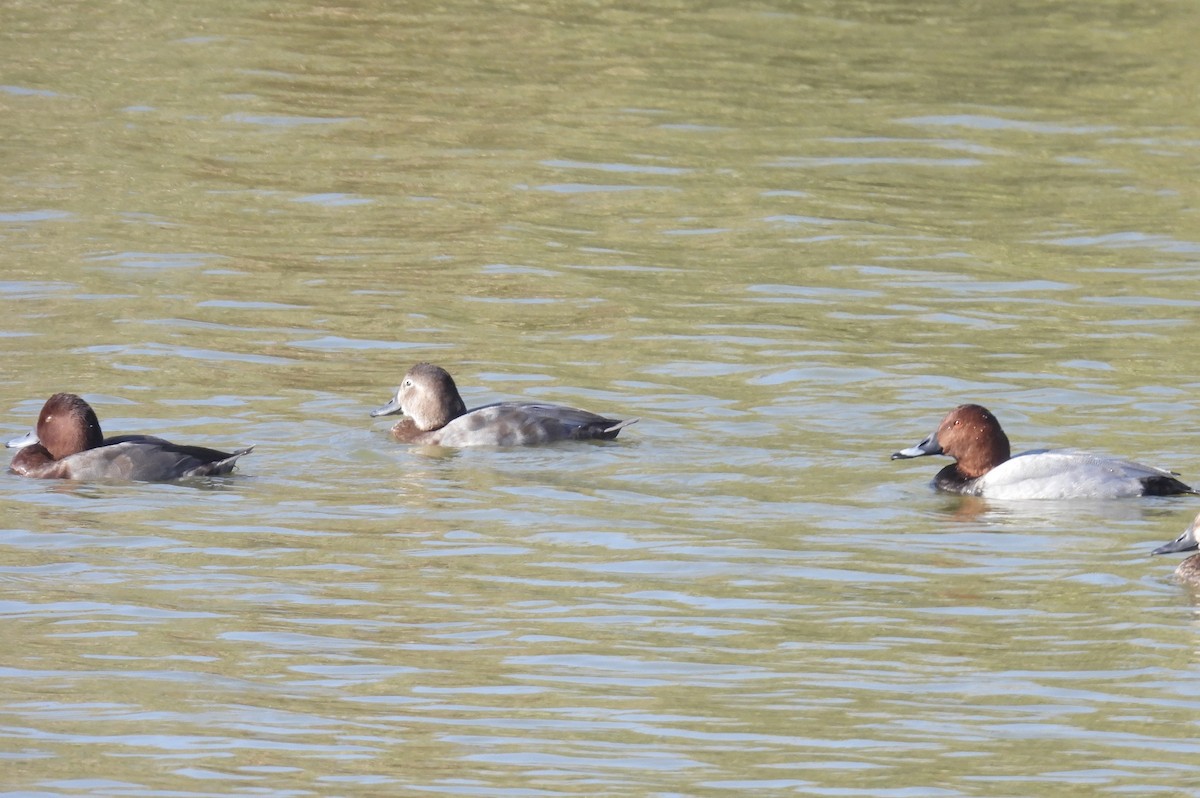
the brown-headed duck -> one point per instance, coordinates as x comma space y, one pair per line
983, 466
68, 444
1188, 570
436, 416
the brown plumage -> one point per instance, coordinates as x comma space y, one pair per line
68, 444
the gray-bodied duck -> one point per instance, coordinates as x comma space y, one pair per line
435, 415
68, 444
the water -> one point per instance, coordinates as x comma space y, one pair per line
788, 237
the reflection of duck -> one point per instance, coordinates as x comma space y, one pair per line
437, 416
1188, 570
68, 444
1042, 516
983, 466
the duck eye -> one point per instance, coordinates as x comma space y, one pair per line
408, 383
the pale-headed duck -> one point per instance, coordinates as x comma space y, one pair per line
1188, 570
68, 444
437, 416
984, 467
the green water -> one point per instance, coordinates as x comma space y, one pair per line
788, 237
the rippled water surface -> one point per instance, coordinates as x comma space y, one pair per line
786, 236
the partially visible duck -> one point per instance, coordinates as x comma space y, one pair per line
68, 444
1188, 570
437, 416
984, 467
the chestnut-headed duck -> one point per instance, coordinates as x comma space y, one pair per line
983, 466
68, 444
436, 416
1188, 570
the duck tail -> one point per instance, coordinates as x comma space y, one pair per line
1165, 486
618, 426
220, 467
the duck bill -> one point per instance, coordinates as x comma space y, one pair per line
29, 439
1185, 542
928, 446
390, 408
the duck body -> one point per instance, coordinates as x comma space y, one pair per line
435, 415
68, 444
1063, 474
983, 466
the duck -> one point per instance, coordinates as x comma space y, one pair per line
67, 443
1189, 570
435, 415
984, 466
